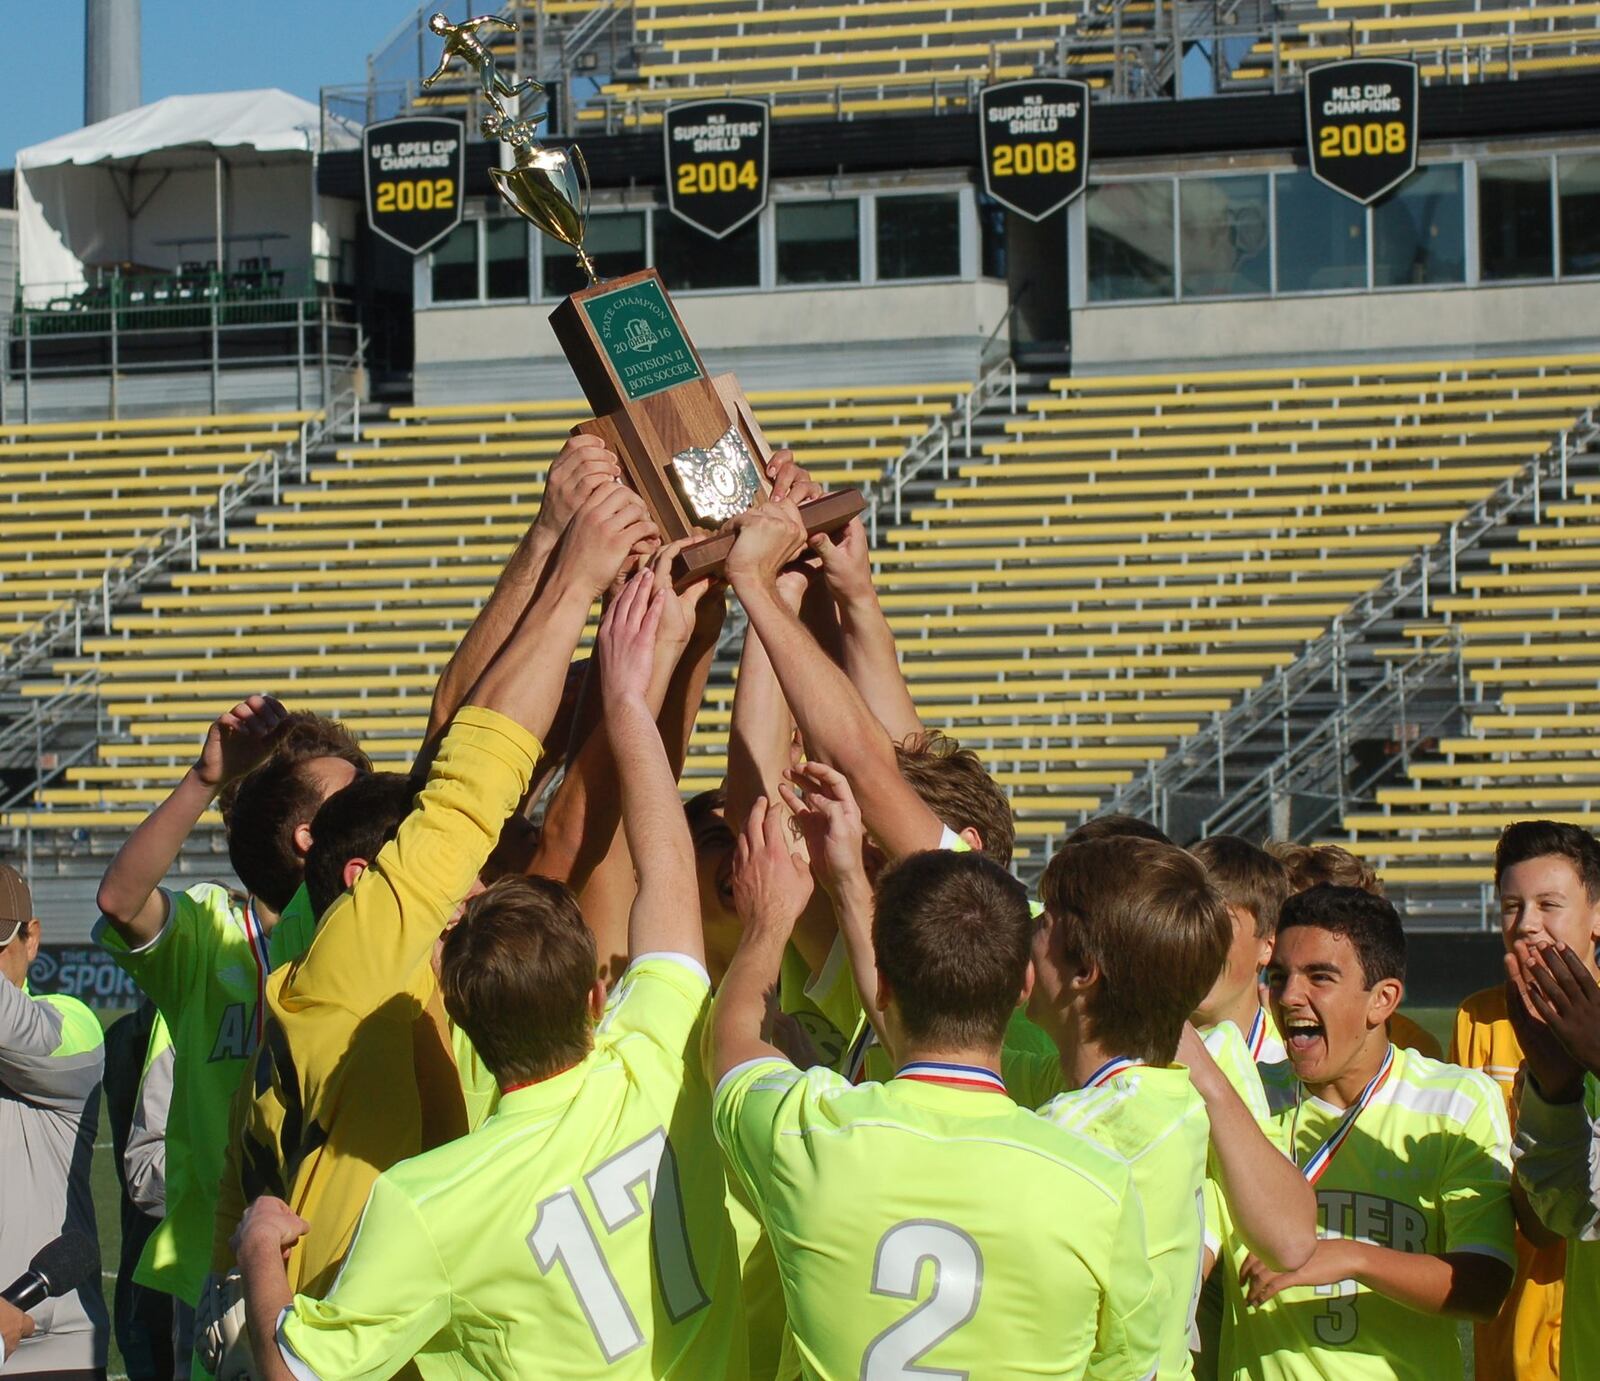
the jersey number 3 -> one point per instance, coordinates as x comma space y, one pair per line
562, 1235
953, 1300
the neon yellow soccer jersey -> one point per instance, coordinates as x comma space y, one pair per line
924, 1227
1230, 1048
1153, 1119
204, 971
1426, 1168
584, 1221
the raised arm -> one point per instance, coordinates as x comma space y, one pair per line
836, 723
830, 821
240, 740
870, 658
1272, 1205
664, 917
583, 468
374, 937
770, 888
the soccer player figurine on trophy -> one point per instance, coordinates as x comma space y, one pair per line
688, 442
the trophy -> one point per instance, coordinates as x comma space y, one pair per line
688, 442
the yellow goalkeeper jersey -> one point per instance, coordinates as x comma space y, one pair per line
1524, 1342
355, 1070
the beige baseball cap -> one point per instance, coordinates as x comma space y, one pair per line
16, 903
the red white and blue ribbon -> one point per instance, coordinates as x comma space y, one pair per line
952, 1075
1110, 1069
1258, 1034
1323, 1156
256, 933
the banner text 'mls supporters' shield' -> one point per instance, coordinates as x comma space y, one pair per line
716, 162
1361, 122
415, 175
1035, 137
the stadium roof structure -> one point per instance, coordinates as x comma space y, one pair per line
182, 173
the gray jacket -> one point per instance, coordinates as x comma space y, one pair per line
51, 1056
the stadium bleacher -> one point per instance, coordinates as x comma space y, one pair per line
1139, 550
1128, 556
1525, 622
81, 498
369, 574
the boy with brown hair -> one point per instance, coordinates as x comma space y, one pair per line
1547, 875
1311, 865
1134, 935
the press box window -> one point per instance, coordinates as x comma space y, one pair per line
1224, 240
1322, 237
1516, 234
691, 259
1578, 180
506, 259
1419, 230
455, 265
818, 241
615, 243
919, 237
1130, 240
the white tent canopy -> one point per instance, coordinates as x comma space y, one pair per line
218, 176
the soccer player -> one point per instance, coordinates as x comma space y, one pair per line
52, 1054
1032, 1243
203, 958
582, 1230
1408, 1157
1235, 1027
344, 1021
1547, 875
1134, 935
1554, 1002
1311, 865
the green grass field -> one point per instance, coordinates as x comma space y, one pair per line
109, 1214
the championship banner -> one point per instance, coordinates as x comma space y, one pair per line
716, 162
1361, 121
416, 173
1035, 144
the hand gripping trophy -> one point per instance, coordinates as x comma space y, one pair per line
688, 442
547, 186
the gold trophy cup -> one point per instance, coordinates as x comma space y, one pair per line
688, 442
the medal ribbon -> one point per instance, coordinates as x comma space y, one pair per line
1323, 1156
1258, 1035
952, 1075
257, 935
1110, 1069
856, 1065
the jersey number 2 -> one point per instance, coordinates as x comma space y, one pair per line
957, 1283
562, 1235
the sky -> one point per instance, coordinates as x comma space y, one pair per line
189, 46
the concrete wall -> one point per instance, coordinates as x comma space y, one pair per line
1475, 321
790, 338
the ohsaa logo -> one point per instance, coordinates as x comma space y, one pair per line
640, 336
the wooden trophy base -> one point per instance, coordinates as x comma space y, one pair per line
706, 558
654, 402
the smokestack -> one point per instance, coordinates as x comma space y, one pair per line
110, 58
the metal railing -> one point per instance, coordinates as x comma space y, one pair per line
217, 335
934, 445
182, 538
1316, 770
1202, 763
